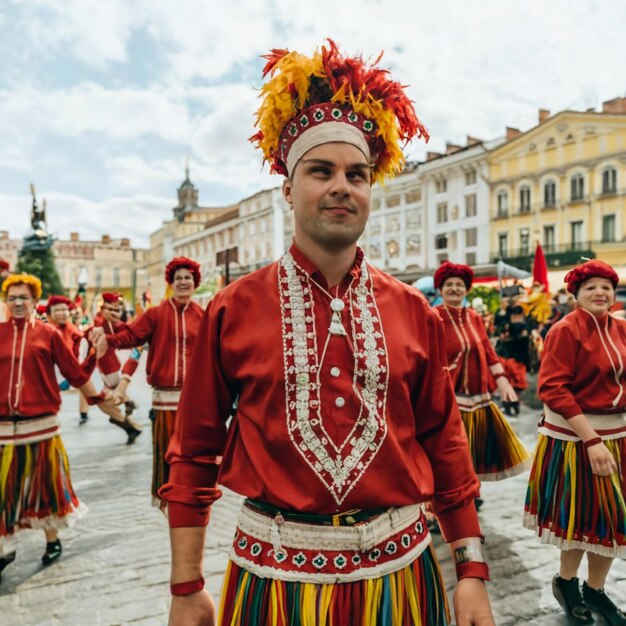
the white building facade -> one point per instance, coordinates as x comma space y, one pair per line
456, 205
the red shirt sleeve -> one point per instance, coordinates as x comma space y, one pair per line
441, 433
135, 334
556, 375
75, 373
200, 432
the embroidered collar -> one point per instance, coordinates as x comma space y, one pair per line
338, 465
309, 267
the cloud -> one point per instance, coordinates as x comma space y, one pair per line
132, 216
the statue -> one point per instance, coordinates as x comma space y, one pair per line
38, 237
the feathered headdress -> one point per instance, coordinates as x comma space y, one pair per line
32, 282
304, 94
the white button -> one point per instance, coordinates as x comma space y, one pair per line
335, 371
340, 402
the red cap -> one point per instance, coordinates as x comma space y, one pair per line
178, 263
4, 265
53, 300
112, 297
450, 270
590, 269
41, 309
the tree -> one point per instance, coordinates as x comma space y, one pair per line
40, 263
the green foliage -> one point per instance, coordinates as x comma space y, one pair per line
40, 263
208, 287
489, 295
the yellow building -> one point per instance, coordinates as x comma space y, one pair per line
563, 184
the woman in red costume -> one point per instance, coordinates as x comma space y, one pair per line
472, 362
170, 329
577, 488
58, 312
35, 485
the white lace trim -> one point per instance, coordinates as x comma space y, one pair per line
338, 466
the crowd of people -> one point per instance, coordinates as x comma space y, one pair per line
346, 409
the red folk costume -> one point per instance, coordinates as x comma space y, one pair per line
171, 330
496, 451
345, 418
582, 372
35, 485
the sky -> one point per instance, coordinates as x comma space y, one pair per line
101, 103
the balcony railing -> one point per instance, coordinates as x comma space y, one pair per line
556, 255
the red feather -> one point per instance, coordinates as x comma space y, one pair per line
275, 55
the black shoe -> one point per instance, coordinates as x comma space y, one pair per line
5, 560
129, 407
130, 427
601, 604
567, 594
83, 419
52, 553
478, 502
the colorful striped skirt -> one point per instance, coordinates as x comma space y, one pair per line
162, 429
35, 487
496, 450
384, 573
570, 507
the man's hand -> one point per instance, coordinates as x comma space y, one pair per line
196, 609
602, 461
471, 603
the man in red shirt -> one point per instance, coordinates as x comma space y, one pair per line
345, 419
111, 370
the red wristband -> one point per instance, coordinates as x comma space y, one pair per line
592, 442
472, 569
91, 400
186, 589
499, 375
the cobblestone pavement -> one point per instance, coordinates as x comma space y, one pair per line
115, 566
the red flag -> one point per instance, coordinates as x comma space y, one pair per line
540, 269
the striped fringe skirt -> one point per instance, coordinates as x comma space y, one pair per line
570, 507
162, 430
35, 487
412, 596
496, 450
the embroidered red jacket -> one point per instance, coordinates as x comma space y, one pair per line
420, 450
171, 330
469, 352
28, 353
583, 365
109, 362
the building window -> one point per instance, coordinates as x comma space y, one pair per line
470, 258
441, 185
471, 237
441, 242
414, 195
577, 235
549, 194
524, 199
116, 276
470, 205
503, 244
442, 212
470, 177
577, 187
609, 180
503, 203
608, 228
524, 241
548, 238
